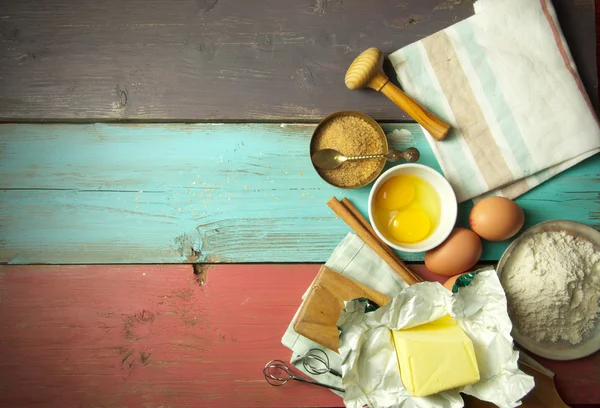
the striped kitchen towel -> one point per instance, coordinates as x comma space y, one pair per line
506, 82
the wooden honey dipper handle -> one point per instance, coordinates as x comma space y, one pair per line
366, 71
434, 125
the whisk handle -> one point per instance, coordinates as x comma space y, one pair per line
305, 380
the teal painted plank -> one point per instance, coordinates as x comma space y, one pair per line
201, 193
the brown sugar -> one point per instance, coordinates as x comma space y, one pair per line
351, 136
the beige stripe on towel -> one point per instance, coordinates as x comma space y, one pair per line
516, 189
467, 112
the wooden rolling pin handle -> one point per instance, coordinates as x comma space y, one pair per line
434, 125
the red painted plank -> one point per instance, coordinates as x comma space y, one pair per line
132, 336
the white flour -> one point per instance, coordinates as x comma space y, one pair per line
552, 283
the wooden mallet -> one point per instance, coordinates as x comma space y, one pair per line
366, 71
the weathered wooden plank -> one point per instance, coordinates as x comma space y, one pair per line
109, 336
200, 193
219, 60
132, 336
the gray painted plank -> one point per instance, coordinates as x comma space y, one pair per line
218, 59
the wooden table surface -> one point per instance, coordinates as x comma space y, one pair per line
158, 264
218, 59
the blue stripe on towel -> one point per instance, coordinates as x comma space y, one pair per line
503, 114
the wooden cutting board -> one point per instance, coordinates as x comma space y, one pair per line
318, 315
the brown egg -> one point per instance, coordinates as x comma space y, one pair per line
458, 253
496, 218
450, 282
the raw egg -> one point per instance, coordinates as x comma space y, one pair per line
496, 218
395, 193
457, 254
406, 209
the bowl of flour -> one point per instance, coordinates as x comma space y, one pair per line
551, 276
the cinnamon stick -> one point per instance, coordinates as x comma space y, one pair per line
348, 204
398, 266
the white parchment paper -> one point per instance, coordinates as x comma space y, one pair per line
369, 364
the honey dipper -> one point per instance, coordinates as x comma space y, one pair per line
366, 71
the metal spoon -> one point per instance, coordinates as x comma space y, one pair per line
329, 159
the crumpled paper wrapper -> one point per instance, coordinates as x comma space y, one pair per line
371, 375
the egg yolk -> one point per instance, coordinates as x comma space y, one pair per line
406, 209
410, 225
395, 193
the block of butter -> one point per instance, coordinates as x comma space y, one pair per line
435, 357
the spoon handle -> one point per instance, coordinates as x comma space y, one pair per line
369, 156
410, 155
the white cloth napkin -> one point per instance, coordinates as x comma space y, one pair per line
505, 81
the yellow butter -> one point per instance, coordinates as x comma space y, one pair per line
435, 357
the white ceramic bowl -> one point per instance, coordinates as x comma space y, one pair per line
447, 202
